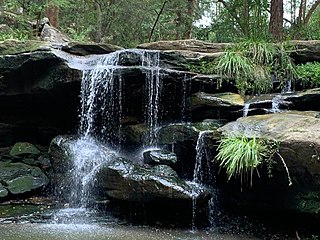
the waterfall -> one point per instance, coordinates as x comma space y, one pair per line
101, 100
246, 109
151, 60
203, 174
184, 97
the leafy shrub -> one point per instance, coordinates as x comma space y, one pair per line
309, 74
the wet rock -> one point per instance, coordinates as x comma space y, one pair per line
123, 180
299, 138
83, 49
158, 156
3, 191
209, 124
60, 154
134, 136
19, 178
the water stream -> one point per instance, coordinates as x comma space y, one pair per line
203, 174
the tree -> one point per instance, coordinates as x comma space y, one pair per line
276, 19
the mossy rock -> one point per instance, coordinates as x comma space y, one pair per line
11, 47
18, 178
24, 149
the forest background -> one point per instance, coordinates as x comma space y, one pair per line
129, 23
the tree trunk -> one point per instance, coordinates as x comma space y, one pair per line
310, 12
276, 19
52, 12
189, 22
98, 35
246, 18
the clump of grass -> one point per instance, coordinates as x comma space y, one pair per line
240, 156
234, 65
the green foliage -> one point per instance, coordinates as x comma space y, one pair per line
18, 34
234, 65
309, 74
241, 155
283, 66
205, 67
251, 64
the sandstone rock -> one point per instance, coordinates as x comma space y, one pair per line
51, 34
299, 137
224, 105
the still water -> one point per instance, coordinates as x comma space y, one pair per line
103, 232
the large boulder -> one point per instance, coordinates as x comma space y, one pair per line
299, 138
123, 180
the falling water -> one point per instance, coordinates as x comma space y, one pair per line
100, 120
276, 104
101, 100
151, 60
184, 98
202, 173
246, 109
287, 88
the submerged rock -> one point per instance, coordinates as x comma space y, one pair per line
123, 180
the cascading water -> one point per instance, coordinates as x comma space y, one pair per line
203, 174
100, 120
151, 60
101, 100
246, 109
184, 99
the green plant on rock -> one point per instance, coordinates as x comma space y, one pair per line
250, 64
309, 74
205, 67
234, 65
240, 156
283, 66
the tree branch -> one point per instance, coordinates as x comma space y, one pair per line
158, 17
310, 12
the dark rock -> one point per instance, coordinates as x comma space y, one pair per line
123, 180
158, 156
306, 51
60, 154
174, 133
223, 105
19, 178
83, 49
